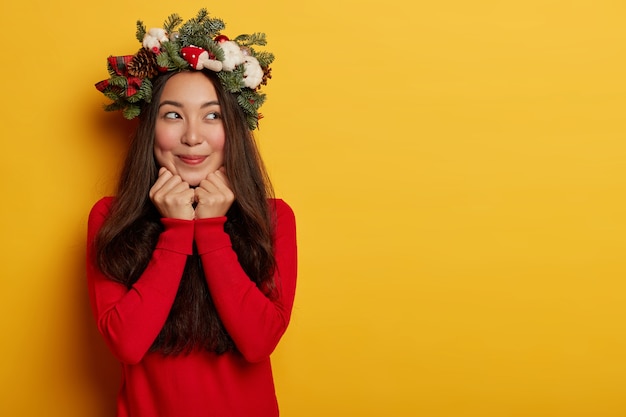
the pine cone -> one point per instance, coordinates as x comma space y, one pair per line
144, 64
267, 75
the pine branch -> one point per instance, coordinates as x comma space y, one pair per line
250, 100
131, 111
135, 98
141, 31
144, 93
264, 58
214, 49
118, 81
214, 26
163, 60
172, 22
172, 49
112, 93
245, 103
114, 106
253, 121
202, 14
260, 100
146, 90
232, 80
257, 38
200, 30
194, 35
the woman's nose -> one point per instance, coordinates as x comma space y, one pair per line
192, 134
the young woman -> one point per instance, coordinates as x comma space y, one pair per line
191, 267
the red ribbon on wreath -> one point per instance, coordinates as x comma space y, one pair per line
118, 65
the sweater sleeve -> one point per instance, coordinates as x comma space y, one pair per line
131, 319
254, 321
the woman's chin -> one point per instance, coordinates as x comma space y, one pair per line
192, 178
193, 183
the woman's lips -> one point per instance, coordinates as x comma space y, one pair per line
192, 159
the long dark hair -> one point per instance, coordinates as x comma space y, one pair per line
125, 243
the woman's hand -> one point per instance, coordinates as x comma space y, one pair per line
172, 196
214, 196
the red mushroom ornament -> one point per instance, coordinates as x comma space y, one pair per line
199, 58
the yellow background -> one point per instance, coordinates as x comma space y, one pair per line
457, 171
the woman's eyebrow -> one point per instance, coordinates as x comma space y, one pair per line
210, 103
177, 104
171, 103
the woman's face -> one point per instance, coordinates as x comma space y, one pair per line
189, 133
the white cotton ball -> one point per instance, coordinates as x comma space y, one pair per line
159, 34
153, 38
151, 43
232, 55
253, 73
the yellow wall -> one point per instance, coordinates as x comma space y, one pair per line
457, 170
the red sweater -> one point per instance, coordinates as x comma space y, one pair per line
200, 383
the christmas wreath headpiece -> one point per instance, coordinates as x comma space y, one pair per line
196, 44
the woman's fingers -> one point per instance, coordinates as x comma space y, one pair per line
172, 196
214, 196
164, 176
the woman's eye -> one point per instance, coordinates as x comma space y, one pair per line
213, 116
171, 115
